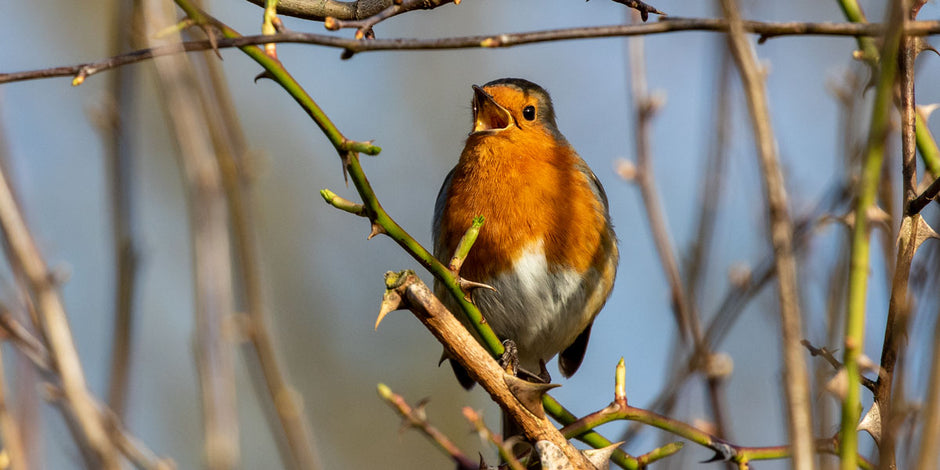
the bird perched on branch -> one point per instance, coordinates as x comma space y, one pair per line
547, 246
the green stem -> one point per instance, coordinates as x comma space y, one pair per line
927, 146
859, 270
853, 12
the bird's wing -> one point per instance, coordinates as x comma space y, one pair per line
438, 215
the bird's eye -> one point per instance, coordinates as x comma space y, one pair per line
528, 113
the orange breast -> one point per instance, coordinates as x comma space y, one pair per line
530, 190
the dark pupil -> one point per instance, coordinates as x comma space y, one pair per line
529, 113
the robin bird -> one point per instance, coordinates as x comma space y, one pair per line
547, 246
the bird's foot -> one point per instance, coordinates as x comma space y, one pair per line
509, 361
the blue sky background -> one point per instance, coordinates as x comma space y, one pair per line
323, 280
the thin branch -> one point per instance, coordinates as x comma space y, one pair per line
119, 155
364, 25
38, 355
645, 106
285, 413
25, 258
826, 354
10, 430
487, 435
861, 238
724, 450
920, 202
212, 268
899, 305
766, 29
796, 378
414, 417
320, 10
930, 428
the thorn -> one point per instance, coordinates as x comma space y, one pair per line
421, 408
600, 458
468, 286
529, 394
925, 110
391, 301
921, 45
346, 158
264, 74
376, 230
213, 41
871, 423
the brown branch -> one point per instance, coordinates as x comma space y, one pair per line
405, 290
686, 315
26, 261
209, 230
414, 417
320, 10
285, 413
899, 305
645, 106
836, 364
930, 428
364, 25
33, 349
920, 202
766, 29
119, 155
796, 379
9, 429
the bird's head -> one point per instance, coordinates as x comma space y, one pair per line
510, 105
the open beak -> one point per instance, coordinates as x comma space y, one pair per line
488, 116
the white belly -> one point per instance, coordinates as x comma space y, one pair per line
542, 311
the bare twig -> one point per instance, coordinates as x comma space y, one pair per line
285, 413
320, 10
645, 106
899, 306
364, 25
768, 29
918, 204
486, 435
10, 430
796, 380
414, 417
826, 354
211, 256
25, 258
687, 318
36, 352
930, 428
118, 150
